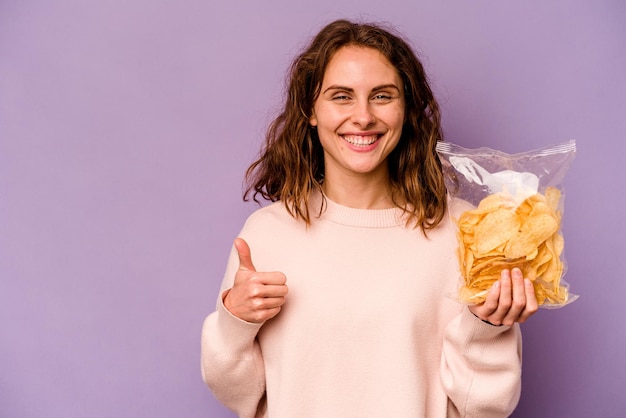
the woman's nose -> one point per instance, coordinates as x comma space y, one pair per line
363, 115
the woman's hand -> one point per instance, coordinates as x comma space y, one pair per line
255, 296
511, 299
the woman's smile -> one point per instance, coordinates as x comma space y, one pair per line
363, 141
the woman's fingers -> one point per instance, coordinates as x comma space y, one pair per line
511, 299
518, 297
506, 297
532, 306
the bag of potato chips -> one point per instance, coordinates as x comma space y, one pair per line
508, 210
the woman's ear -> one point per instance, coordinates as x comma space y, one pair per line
313, 119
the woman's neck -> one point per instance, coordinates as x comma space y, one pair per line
359, 192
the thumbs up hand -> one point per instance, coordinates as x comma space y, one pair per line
255, 296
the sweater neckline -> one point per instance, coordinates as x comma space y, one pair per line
362, 218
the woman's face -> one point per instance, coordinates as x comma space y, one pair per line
359, 113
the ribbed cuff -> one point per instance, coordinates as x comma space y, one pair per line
235, 331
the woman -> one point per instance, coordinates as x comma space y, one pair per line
335, 301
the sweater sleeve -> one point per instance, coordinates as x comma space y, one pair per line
231, 359
481, 367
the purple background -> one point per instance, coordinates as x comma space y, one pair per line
125, 129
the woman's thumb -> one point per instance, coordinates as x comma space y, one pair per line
243, 250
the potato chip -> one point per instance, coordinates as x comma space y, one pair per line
534, 231
500, 235
496, 228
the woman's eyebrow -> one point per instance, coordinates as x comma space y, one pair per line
338, 87
351, 90
386, 86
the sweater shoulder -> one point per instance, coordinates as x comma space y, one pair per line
270, 218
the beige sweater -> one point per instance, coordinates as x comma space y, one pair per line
370, 327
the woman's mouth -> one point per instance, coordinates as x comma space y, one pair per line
361, 140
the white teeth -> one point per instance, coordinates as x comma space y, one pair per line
361, 140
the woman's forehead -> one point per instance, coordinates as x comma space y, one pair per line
360, 65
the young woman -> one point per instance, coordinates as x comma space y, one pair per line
335, 301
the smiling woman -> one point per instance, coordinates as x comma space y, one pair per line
344, 310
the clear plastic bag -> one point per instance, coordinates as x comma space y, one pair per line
508, 210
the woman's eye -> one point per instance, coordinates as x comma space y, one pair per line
382, 97
341, 97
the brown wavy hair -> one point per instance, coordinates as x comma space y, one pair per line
291, 163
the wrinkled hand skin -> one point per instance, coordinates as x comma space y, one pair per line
255, 296
511, 299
